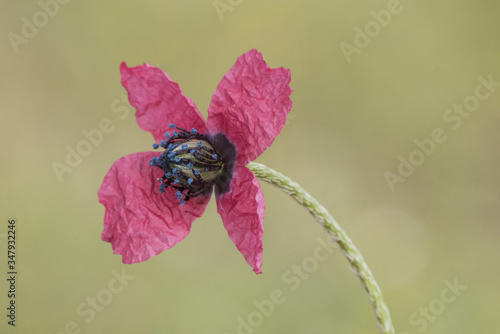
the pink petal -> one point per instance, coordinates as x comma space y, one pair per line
242, 212
139, 221
250, 105
159, 101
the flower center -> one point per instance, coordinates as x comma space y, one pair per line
191, 164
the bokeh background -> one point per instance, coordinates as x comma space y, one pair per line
355, 114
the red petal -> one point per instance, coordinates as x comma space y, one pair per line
159, 101
250, 105
139, 221
242, 212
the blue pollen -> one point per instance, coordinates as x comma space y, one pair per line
182, 202
200, 144
190, 165
163, 143
190, 180
155, 146
167, 135
177, 159
170, 155
184, 146
175, 134
179, 195
196, 172
193, 131
162, 188
192, 151
175, 170
172, 126
168, 175
214, 156
154, 161
176, 181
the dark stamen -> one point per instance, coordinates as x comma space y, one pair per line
191, 164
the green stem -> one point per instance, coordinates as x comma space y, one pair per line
347, 247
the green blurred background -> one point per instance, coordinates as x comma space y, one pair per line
353, 117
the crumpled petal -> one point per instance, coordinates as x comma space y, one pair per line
159, 101
139, 221
242, 212
250, 105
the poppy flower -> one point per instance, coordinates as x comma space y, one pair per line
152, 198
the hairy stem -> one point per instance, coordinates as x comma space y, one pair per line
347, 247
